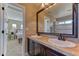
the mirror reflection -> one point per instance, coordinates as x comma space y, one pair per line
56, 19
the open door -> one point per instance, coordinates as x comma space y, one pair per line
12, 38
13, 30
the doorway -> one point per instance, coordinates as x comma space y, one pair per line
13, 26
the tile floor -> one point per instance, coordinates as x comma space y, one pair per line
14, 48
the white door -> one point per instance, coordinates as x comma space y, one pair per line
13, 19
14, 12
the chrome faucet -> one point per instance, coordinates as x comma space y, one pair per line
60, 37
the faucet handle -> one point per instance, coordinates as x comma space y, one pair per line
60, 37
63, 38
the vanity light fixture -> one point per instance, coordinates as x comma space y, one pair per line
43, 5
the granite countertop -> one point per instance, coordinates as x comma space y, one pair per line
66, 51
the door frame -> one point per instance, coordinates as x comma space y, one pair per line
1, 25
23, 41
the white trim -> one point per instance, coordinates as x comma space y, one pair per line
1, 27
6, 30
3, 35
24, 27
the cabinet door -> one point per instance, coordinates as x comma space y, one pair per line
51, 52
36, 49
31, 47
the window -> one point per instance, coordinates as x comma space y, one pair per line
64, 22
68, 22
61, 23
21, 26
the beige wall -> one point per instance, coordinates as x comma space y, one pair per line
30, 20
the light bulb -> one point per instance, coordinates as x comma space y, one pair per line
46, 3
43, 5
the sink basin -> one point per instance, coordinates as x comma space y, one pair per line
36, 36
60, 43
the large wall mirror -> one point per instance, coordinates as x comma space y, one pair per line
59, 18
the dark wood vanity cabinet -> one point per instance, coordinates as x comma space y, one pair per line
36, 49
50, 52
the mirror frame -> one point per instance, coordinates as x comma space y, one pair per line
74, 23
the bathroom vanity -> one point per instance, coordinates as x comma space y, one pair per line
40, 46
38, 49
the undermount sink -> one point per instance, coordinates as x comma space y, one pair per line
36, 36
60, 43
